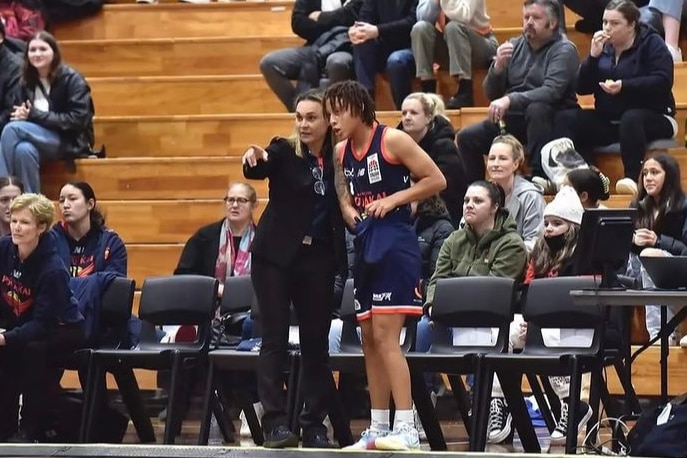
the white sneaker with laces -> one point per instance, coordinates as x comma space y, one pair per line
499, 421
367, 440
404, 437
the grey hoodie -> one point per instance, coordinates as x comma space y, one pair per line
526, 206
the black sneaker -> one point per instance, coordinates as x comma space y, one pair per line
499, 421
584, 413
318, 440
280, 437
459, 101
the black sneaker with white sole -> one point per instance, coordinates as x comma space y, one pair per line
584, 413
499, 421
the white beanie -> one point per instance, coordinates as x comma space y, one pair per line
566, 205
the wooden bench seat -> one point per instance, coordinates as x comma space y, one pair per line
151, 178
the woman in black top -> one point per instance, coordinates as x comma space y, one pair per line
297, 250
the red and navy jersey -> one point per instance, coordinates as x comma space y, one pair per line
373, 173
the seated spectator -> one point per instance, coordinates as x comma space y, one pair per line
10, 188
424, 119
630, 72
552, 256
460, 29
84, 243
10, 74
222, 250
53, 117
39, 320
591, 186
432, 226
524, 200
661, 225
669, 15
323, 25
531, 77
591, 12
381, 43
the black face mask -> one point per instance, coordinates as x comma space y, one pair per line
555, 243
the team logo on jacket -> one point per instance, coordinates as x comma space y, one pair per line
374, 172
16, 295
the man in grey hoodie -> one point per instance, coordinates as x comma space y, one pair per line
531, 77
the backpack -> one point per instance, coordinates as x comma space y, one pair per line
21, 20
661, 432
558, 157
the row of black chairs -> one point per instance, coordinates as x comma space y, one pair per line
473, 302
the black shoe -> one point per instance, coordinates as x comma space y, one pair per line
280, 437
459, 101
317, 441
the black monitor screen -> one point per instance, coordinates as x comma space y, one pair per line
604, 242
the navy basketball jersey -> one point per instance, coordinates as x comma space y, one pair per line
373, 174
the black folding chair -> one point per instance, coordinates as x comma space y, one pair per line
546, 305
173, 300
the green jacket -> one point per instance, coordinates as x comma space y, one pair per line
499, 252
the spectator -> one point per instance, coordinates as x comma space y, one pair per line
630, 72
460, 28
84, 243
661, 225
530, 79
592, 12
10, 188
322, 24
591, 186
39, 317
424, 119
670, 12
381, 42
524, 200
10, 74
222, 250
298, 248
53, 118
553, 256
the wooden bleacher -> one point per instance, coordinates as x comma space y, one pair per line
179, 97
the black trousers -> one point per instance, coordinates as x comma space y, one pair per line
636, 129
534, 129
308, 284
34, 371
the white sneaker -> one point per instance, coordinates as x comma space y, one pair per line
404, 437
259, 412
626, 186
367, 440
683, 341
676, 53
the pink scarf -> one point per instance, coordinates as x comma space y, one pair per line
228, 261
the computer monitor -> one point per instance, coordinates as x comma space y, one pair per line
604, 243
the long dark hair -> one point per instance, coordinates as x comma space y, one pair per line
591, 181
30, 76
671, 197
95, 215
546, 261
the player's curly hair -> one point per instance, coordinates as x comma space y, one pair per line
351, 96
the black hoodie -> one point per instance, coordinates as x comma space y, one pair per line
438, 143
34, 294
432, 226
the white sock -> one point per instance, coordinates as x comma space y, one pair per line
404, 417
379, 419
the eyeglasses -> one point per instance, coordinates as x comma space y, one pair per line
236, 200
319, 184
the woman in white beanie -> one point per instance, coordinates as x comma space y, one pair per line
552, 256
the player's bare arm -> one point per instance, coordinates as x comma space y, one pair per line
428, 178
350, 214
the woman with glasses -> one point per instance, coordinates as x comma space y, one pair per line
222, 249
299, 247
10, 188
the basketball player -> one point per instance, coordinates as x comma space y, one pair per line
373, 182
